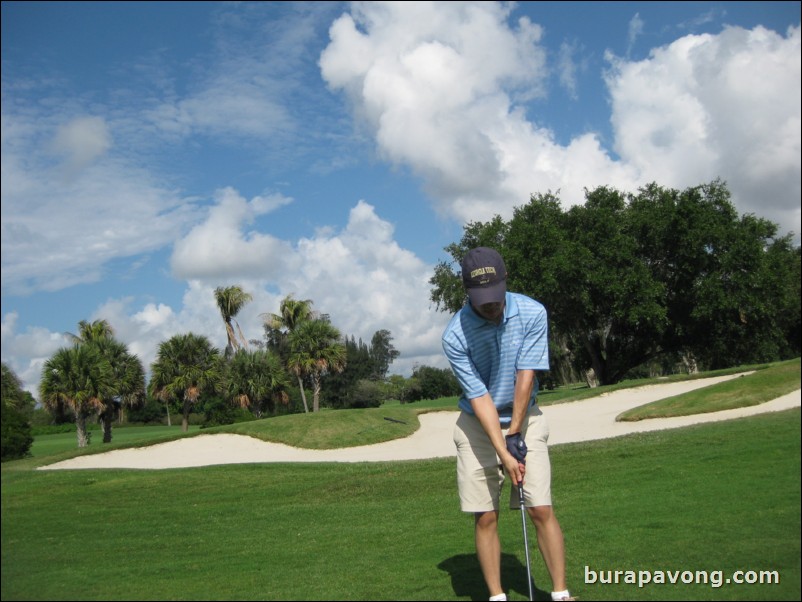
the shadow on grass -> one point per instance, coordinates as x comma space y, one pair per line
467, 580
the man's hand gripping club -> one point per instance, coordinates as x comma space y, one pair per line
517, 448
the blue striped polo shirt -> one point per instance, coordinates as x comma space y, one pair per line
485, 357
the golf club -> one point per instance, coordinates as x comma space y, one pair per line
526, 539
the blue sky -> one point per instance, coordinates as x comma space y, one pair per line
153, 151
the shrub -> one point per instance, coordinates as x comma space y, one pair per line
15, 434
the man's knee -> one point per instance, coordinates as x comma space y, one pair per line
486, 520
541, 514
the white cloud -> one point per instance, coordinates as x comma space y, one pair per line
567, 68
26, 352
359, 276
57, 233
712, 106
229, 107
444, 102
218, 248
435, 83
366, 282
634, 31
81, 141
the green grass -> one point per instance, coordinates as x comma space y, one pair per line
722, 496
711, 497
48, 445
749, 390
576, 392
332, 429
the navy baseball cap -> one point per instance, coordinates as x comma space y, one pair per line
484, 276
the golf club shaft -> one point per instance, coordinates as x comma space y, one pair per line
526, 540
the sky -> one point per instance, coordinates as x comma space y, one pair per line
154, 151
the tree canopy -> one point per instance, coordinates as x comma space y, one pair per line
230, 300
628, 278
80, 378
186, 366
15, 430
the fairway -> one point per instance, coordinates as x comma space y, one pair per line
713, 497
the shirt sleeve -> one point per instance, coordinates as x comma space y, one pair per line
534, 352
464, 370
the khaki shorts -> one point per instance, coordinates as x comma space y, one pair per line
480, 475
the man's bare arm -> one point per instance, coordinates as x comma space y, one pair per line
524, 383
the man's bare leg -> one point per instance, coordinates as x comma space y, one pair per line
551, 543
488, 549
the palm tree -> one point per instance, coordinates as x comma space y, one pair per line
277, 326
315, 349
91, 331
256, 380
230, 300
80, 378
186, 366
129, 381
129, 375
292, 312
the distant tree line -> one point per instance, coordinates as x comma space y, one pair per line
97, 378
662, 279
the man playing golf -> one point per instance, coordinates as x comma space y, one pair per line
495, 345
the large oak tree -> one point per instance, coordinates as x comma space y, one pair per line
628, 278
